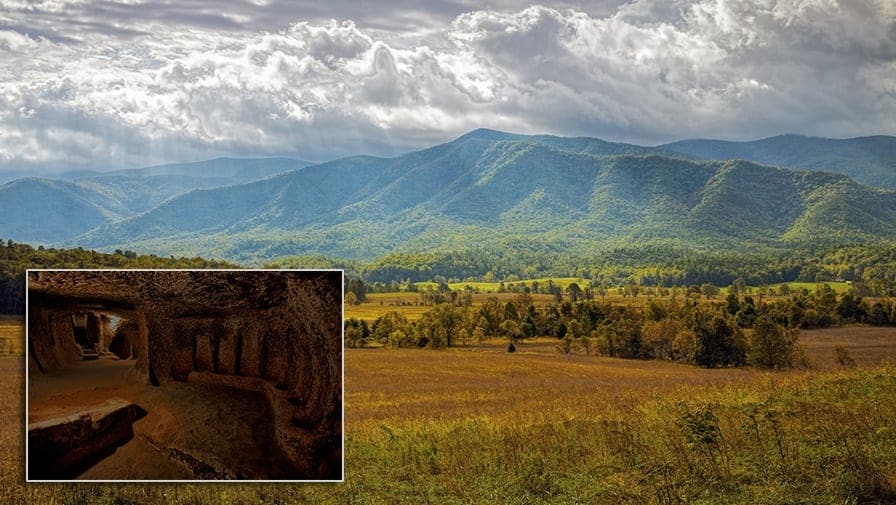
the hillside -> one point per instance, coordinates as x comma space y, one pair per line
869, 160
49, 211
141, 189
231, 169
44, 210
488, 188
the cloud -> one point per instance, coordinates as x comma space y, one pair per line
110, 89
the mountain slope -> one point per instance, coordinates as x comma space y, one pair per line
51, 211
232, 169
490, 188
46, 211
141, 189
869, 160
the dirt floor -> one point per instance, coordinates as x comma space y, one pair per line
190, 431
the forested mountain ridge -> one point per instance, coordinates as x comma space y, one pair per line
44, 210
868, 160
490, 187
53, 210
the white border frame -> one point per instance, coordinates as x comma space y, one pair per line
200, 481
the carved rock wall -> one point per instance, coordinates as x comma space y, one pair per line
278, 330
52, 339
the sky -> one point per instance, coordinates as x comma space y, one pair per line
127, 83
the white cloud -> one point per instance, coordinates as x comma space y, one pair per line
145, 91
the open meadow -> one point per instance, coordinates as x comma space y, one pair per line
480, 425
12, 337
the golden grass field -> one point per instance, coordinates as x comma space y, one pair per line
479, 425
12, 335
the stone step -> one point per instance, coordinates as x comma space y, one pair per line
88, 353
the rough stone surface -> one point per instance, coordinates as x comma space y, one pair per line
125, 341
52, 344
282, 328
61, 448
250, 359
227, 346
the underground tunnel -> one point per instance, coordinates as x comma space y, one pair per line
184, 375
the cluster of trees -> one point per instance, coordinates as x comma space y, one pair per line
734, 331
16, 258
819, 309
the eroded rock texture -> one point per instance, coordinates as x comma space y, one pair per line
64, 447
277, 333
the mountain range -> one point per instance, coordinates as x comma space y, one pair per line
44, 210
869, 160
483, 189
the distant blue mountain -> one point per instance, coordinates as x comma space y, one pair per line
43, 210
869, 160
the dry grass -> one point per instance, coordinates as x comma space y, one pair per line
537, 382
12, 336
867, 345
480, 425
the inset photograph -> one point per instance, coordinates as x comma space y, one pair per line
184, 375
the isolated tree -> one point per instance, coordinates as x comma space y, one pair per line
732, 303
573, 291
771, 345
511, 329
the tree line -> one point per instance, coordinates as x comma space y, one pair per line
647, 264
740, 329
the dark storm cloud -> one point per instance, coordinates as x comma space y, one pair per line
108, 84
